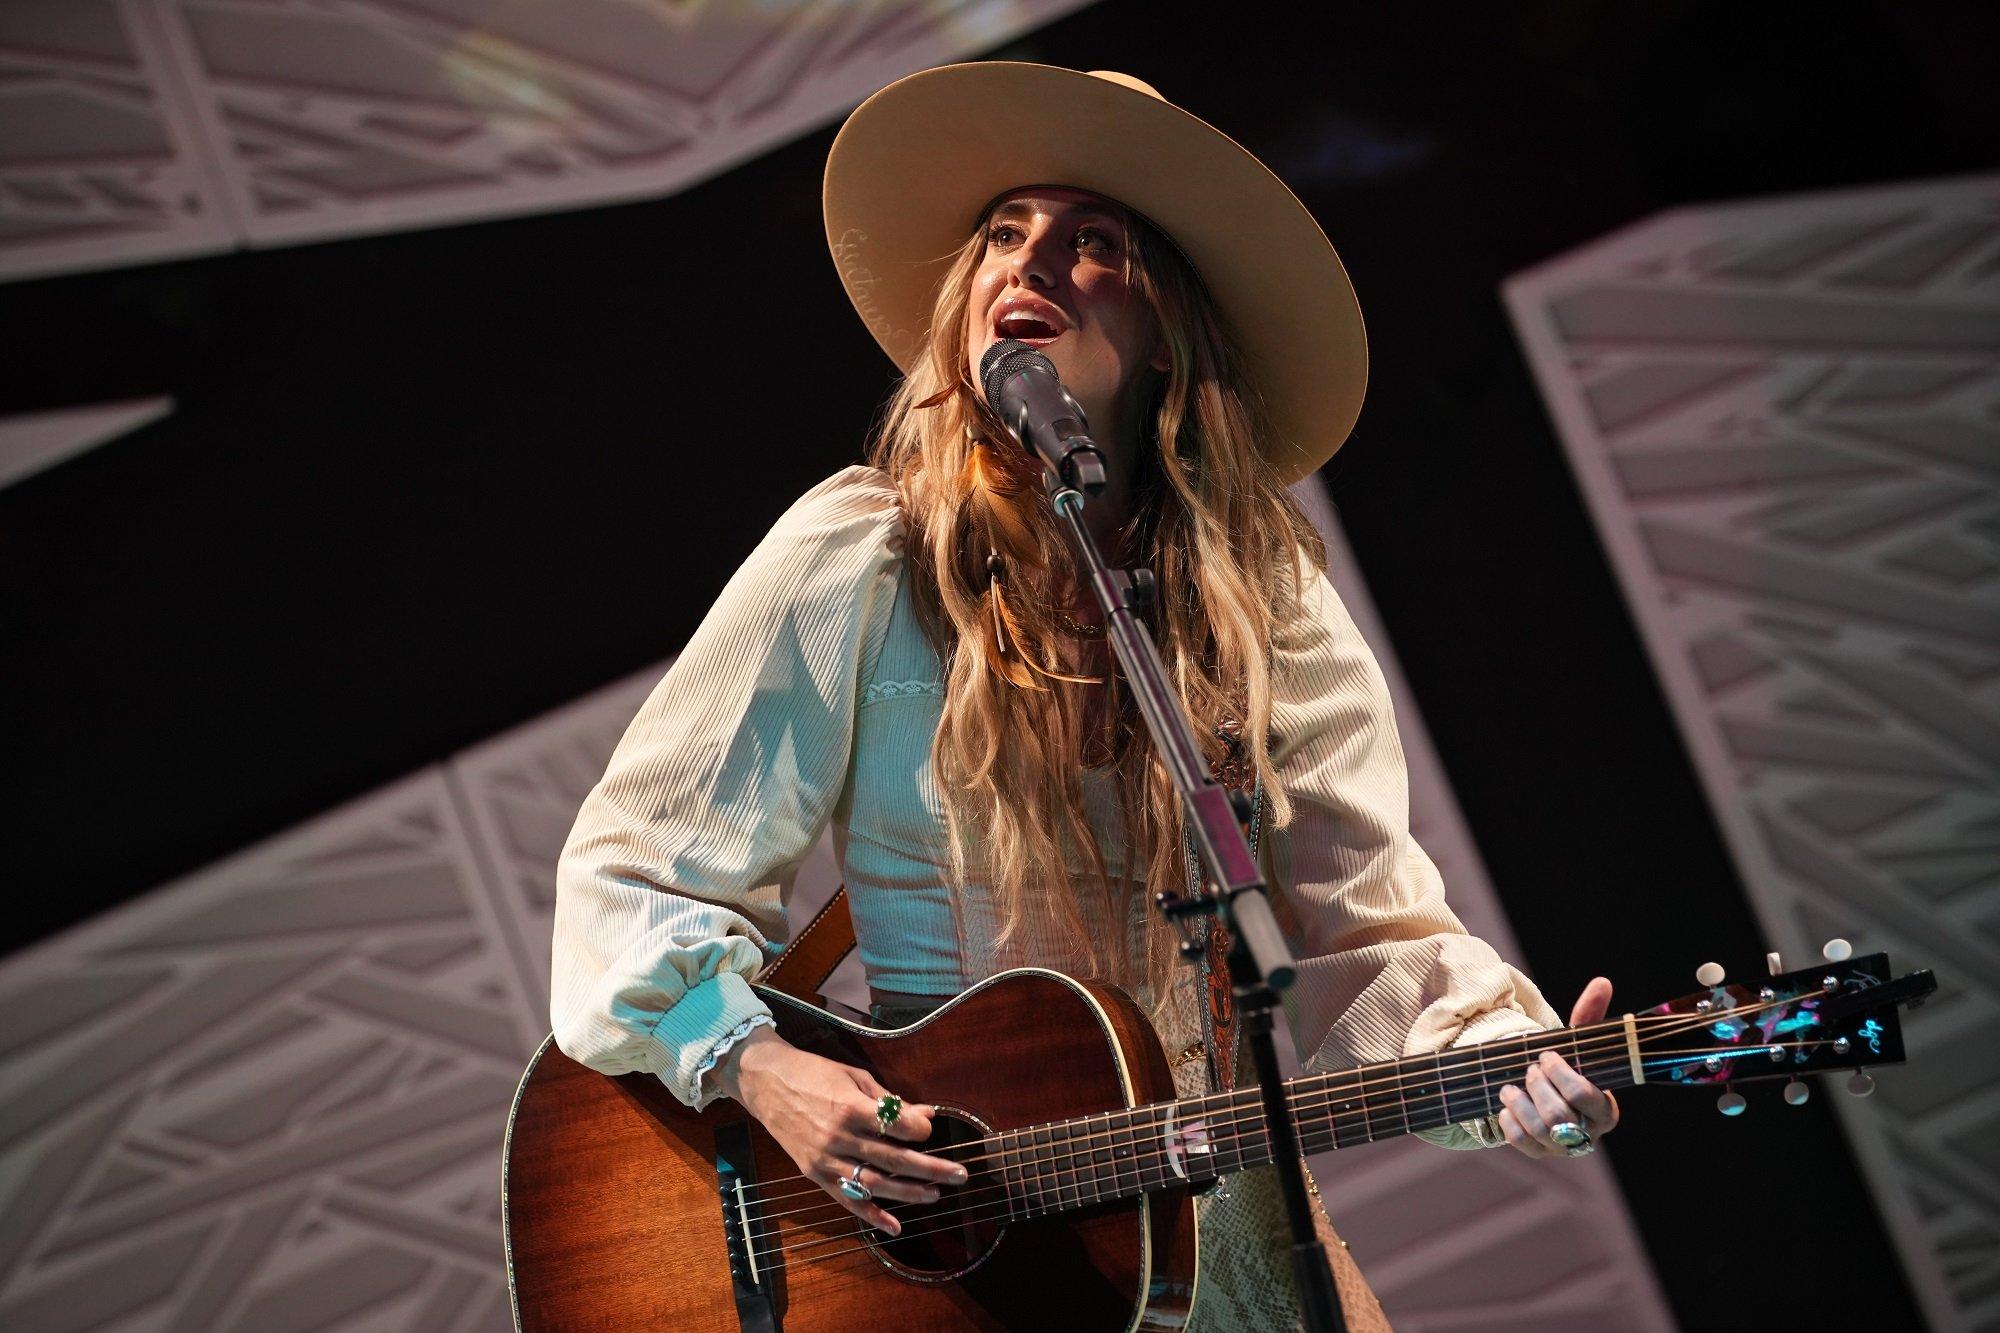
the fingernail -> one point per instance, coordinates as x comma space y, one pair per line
959, 1176
1506, 1088
930, 1196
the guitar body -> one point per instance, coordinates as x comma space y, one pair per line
618, 1198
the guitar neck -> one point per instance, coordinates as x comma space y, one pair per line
1075, 1163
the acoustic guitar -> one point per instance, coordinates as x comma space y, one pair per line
626, 1210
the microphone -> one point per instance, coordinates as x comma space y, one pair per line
1022, 387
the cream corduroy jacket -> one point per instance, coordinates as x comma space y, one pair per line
810, 695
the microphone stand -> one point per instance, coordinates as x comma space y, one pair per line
1260, 964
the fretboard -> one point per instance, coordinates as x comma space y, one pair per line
1120, 1154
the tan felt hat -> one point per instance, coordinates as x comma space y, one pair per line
916, 163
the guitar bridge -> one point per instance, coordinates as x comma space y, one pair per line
753, 1270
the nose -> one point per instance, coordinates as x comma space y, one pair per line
1033, 264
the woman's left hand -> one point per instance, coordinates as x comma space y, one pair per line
1556, 1093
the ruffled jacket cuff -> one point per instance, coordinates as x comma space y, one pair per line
709, 1019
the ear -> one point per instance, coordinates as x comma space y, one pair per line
1162, 359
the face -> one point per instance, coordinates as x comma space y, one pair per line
1053, 276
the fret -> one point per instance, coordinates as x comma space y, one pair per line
1463, 1081
1234, 1130
1138, 1142
1047, 1170
1382, 1100
1159, 1169
1145, 1143
1077, 1145
1024, 1183
1038, 1175
1132, 1145
1518, 1079
1115, 1153
1023, 1170
1101, 1186
1062, 1169
1420, 1095
1073, 1150
1063, 1148
1544, 1042
1011, 1187
1257, 1133
1345, 1110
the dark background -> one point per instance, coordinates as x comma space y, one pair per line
419, 488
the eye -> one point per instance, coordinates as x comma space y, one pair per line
1096, 238
996, 233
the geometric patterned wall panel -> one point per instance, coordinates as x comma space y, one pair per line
1785, 416
100, 157
151, 129
271, 1095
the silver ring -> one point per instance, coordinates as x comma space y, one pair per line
1572, 1138
852, 1187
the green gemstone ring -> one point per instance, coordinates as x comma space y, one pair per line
886, 1110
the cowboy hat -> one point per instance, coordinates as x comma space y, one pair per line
915, 166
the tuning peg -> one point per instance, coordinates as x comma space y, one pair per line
1796, 1093
1709, 974
1836, 950
1730, 1103
1774, 964
1860, 1084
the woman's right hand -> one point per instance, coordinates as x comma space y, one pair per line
823, 1115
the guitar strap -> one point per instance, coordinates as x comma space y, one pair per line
1219, 996
812, 955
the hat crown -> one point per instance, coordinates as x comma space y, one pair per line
1137, 85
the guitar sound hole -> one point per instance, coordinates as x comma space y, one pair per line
947, 1238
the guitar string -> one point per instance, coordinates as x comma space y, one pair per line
1475, 1059
1612, 1036
1611, 1066
833, 1209
1302, 1105
1306, 1091
1004, 1213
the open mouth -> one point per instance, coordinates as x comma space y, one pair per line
1027, 328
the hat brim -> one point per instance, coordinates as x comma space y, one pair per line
913, 166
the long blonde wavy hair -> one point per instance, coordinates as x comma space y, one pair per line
1226, 544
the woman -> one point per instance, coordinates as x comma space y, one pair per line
906, 657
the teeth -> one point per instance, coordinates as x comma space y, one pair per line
1027, 326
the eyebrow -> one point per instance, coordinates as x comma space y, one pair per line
1019, 208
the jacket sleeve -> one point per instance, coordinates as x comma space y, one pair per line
673, 882
1386, 968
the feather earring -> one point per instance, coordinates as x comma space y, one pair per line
994, 569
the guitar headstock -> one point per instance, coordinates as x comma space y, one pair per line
1842, 1014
